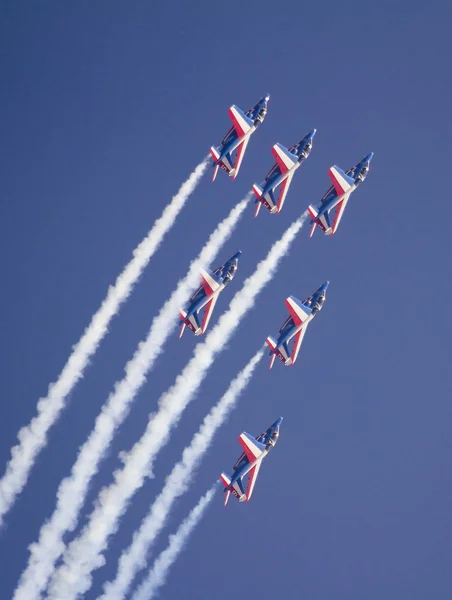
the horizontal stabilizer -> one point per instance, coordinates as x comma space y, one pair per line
225, 479
313, 226
236, 489
280, 352
226, 482
258, 207
257, 190
182, 314
271, 342
224, 162
313, 212
192, 322
322, 221
215, 154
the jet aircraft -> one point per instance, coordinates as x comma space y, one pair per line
301, 314
287, 162
207, 295
249, 463
237, 138
337, 196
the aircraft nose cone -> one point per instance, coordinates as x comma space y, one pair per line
278, 422
267, 97
313, 132
369, 157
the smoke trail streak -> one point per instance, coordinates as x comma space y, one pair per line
33, 437
84, 554
159, 572
134, 558
72, 491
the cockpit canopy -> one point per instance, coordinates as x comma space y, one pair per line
318, 303
274, 438
231, 271
260, 115
362, 173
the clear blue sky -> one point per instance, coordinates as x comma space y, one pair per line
106, 107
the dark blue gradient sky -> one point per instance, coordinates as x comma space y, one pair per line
106, 107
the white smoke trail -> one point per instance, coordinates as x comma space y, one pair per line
33, 437
134, 558
84, 554
72, 491
165, 560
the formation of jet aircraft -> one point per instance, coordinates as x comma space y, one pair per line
271, 194
288, 160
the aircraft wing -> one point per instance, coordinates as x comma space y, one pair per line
284, 189
341, 181
242, 123
298, 311
239, 156
285, 159
253, 449
209, 282
252, 480
297, 343
208, 312
340, 207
